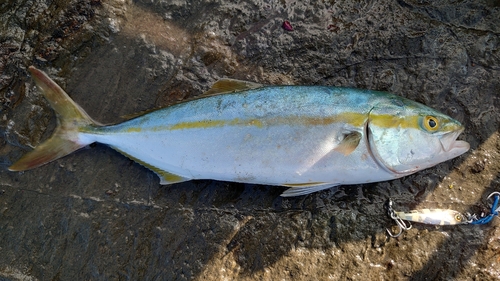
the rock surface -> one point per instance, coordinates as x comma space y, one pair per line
95, 215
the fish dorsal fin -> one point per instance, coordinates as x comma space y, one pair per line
222, 86
226, 85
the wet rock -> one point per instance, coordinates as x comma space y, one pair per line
477, 167
98, 215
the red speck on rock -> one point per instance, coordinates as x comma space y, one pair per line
287, 26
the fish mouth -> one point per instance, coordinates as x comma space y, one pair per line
450, 143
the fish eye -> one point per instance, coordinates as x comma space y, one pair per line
431, 123
458, 217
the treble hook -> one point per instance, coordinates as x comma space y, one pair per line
401, 223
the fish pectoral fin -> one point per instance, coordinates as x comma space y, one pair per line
349, 143
224, 86
298, 189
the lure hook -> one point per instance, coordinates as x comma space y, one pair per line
401, 223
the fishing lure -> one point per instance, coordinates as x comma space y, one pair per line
439, 216
434, 216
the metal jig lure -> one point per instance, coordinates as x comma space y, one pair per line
439, 216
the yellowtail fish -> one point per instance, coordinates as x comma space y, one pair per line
434, 216
307, 138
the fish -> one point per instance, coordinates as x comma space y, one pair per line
434, 216
306, 138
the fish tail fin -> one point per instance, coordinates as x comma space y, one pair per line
70, 118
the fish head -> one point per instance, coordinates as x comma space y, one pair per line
405, 136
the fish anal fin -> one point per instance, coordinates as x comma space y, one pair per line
165, 176
169, 178
305, 188
226, 85
349, 143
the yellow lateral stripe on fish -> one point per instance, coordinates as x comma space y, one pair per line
350, 118
434, 216
354, 119
306, 137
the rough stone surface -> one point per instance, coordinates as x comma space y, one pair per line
95, 215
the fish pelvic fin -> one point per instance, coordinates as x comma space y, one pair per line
299, 189
70, 119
